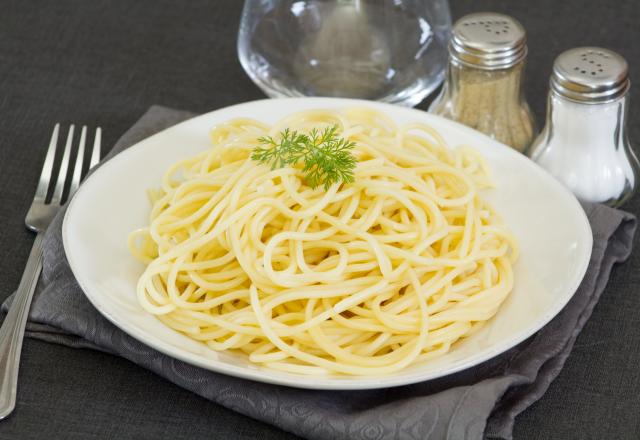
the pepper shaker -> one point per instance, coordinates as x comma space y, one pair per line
485, 75
584, 143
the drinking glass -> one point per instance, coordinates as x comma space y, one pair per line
387, 50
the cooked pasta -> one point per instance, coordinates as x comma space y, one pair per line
362, 278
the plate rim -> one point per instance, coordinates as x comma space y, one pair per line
328, 382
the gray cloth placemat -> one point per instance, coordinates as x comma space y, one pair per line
483, 400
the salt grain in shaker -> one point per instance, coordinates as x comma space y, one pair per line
584, 142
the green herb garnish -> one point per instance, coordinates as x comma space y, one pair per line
326, 157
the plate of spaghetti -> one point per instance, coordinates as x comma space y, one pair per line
326, 243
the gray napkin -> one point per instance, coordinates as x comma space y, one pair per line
483, 400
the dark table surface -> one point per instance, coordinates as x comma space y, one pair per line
104, 62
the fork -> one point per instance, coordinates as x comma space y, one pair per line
38, 218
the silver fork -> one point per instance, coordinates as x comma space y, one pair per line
38, 219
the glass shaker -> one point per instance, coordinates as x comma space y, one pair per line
387, 50
484, 84
584, 142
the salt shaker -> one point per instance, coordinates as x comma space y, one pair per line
584, 142
484, 84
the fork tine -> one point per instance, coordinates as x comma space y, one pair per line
47, 167
77, 169
64, 166
95, 154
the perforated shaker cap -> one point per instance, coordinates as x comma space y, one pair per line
590, 75
488, 40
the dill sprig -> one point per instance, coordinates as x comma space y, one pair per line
326, 158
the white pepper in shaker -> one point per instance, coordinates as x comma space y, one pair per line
584, 143
485, 76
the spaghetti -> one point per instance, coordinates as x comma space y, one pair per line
363, 278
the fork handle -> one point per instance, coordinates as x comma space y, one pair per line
12, 331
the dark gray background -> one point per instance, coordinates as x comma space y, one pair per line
106, 61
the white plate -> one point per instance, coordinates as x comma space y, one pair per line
550, 225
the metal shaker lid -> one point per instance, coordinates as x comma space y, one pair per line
590, 75
488, 40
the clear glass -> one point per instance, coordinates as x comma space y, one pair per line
387, 50
491, 101
586, 147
